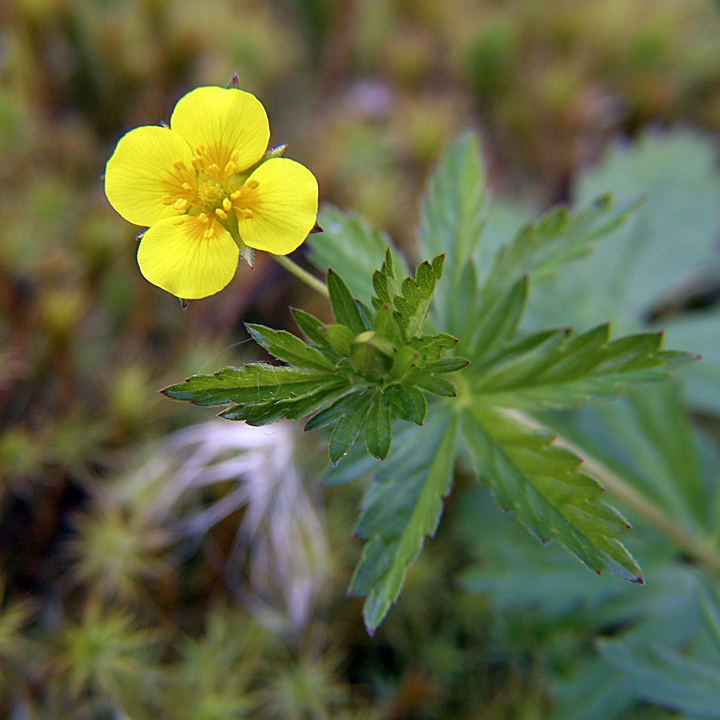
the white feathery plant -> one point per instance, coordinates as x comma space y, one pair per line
278, 563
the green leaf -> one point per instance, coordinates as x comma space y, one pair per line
288, 348
407, 403
253, 383
345, 405
664, 677
430, 347
378, 431
452, 218
558, 237
399, 513
344, 307
543, 485
413, 303
560, 371
352, 249
348, 426
498, 322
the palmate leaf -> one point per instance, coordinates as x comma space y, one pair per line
401, 508
559, 370
543, 484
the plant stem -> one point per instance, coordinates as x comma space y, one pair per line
292, 267
696, 547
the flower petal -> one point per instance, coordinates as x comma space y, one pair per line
224, 122
283, 206
174, 254
142, 171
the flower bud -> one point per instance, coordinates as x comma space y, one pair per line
372, 355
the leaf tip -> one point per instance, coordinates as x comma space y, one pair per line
187, 380
598, 573
639, 580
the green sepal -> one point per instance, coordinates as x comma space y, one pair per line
311, 327
372, 355
339, 337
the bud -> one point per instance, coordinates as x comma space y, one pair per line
372, 355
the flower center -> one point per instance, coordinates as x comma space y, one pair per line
210, 192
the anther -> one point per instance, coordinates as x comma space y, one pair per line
230, 169
226, 205
214, 170
245, 213
198, 163
221, 214
167, 200
200, 150
179, 165
252, 184
187, 186
235, 195
203, 218
208, 233
181, 204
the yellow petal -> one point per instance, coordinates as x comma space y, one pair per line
282, 208
226, 123
146, 167
175, 254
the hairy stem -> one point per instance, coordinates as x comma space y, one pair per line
697, 548
292, 267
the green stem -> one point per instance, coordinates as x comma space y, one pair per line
699, 549
304, 275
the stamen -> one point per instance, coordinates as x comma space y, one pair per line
179, 165
203, 218
214, 170
198, 163
226, 205
200, 150
208, 234
181, 204
230, 169
252, 184
187, 186
245, 213
167, 200
221, 214
235, 195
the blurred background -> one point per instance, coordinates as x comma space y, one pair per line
157, 563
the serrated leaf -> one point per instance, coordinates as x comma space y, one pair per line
415, 297
452, 218
346, 431
430, 347
378, 430
561, 370
253, 383
344, 307
266, 412
540, 249
497, 322
544, 486
288, 348
408, 403
345, 405
399, 513
431, 383
351, 248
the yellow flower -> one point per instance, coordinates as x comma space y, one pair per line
207, 192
